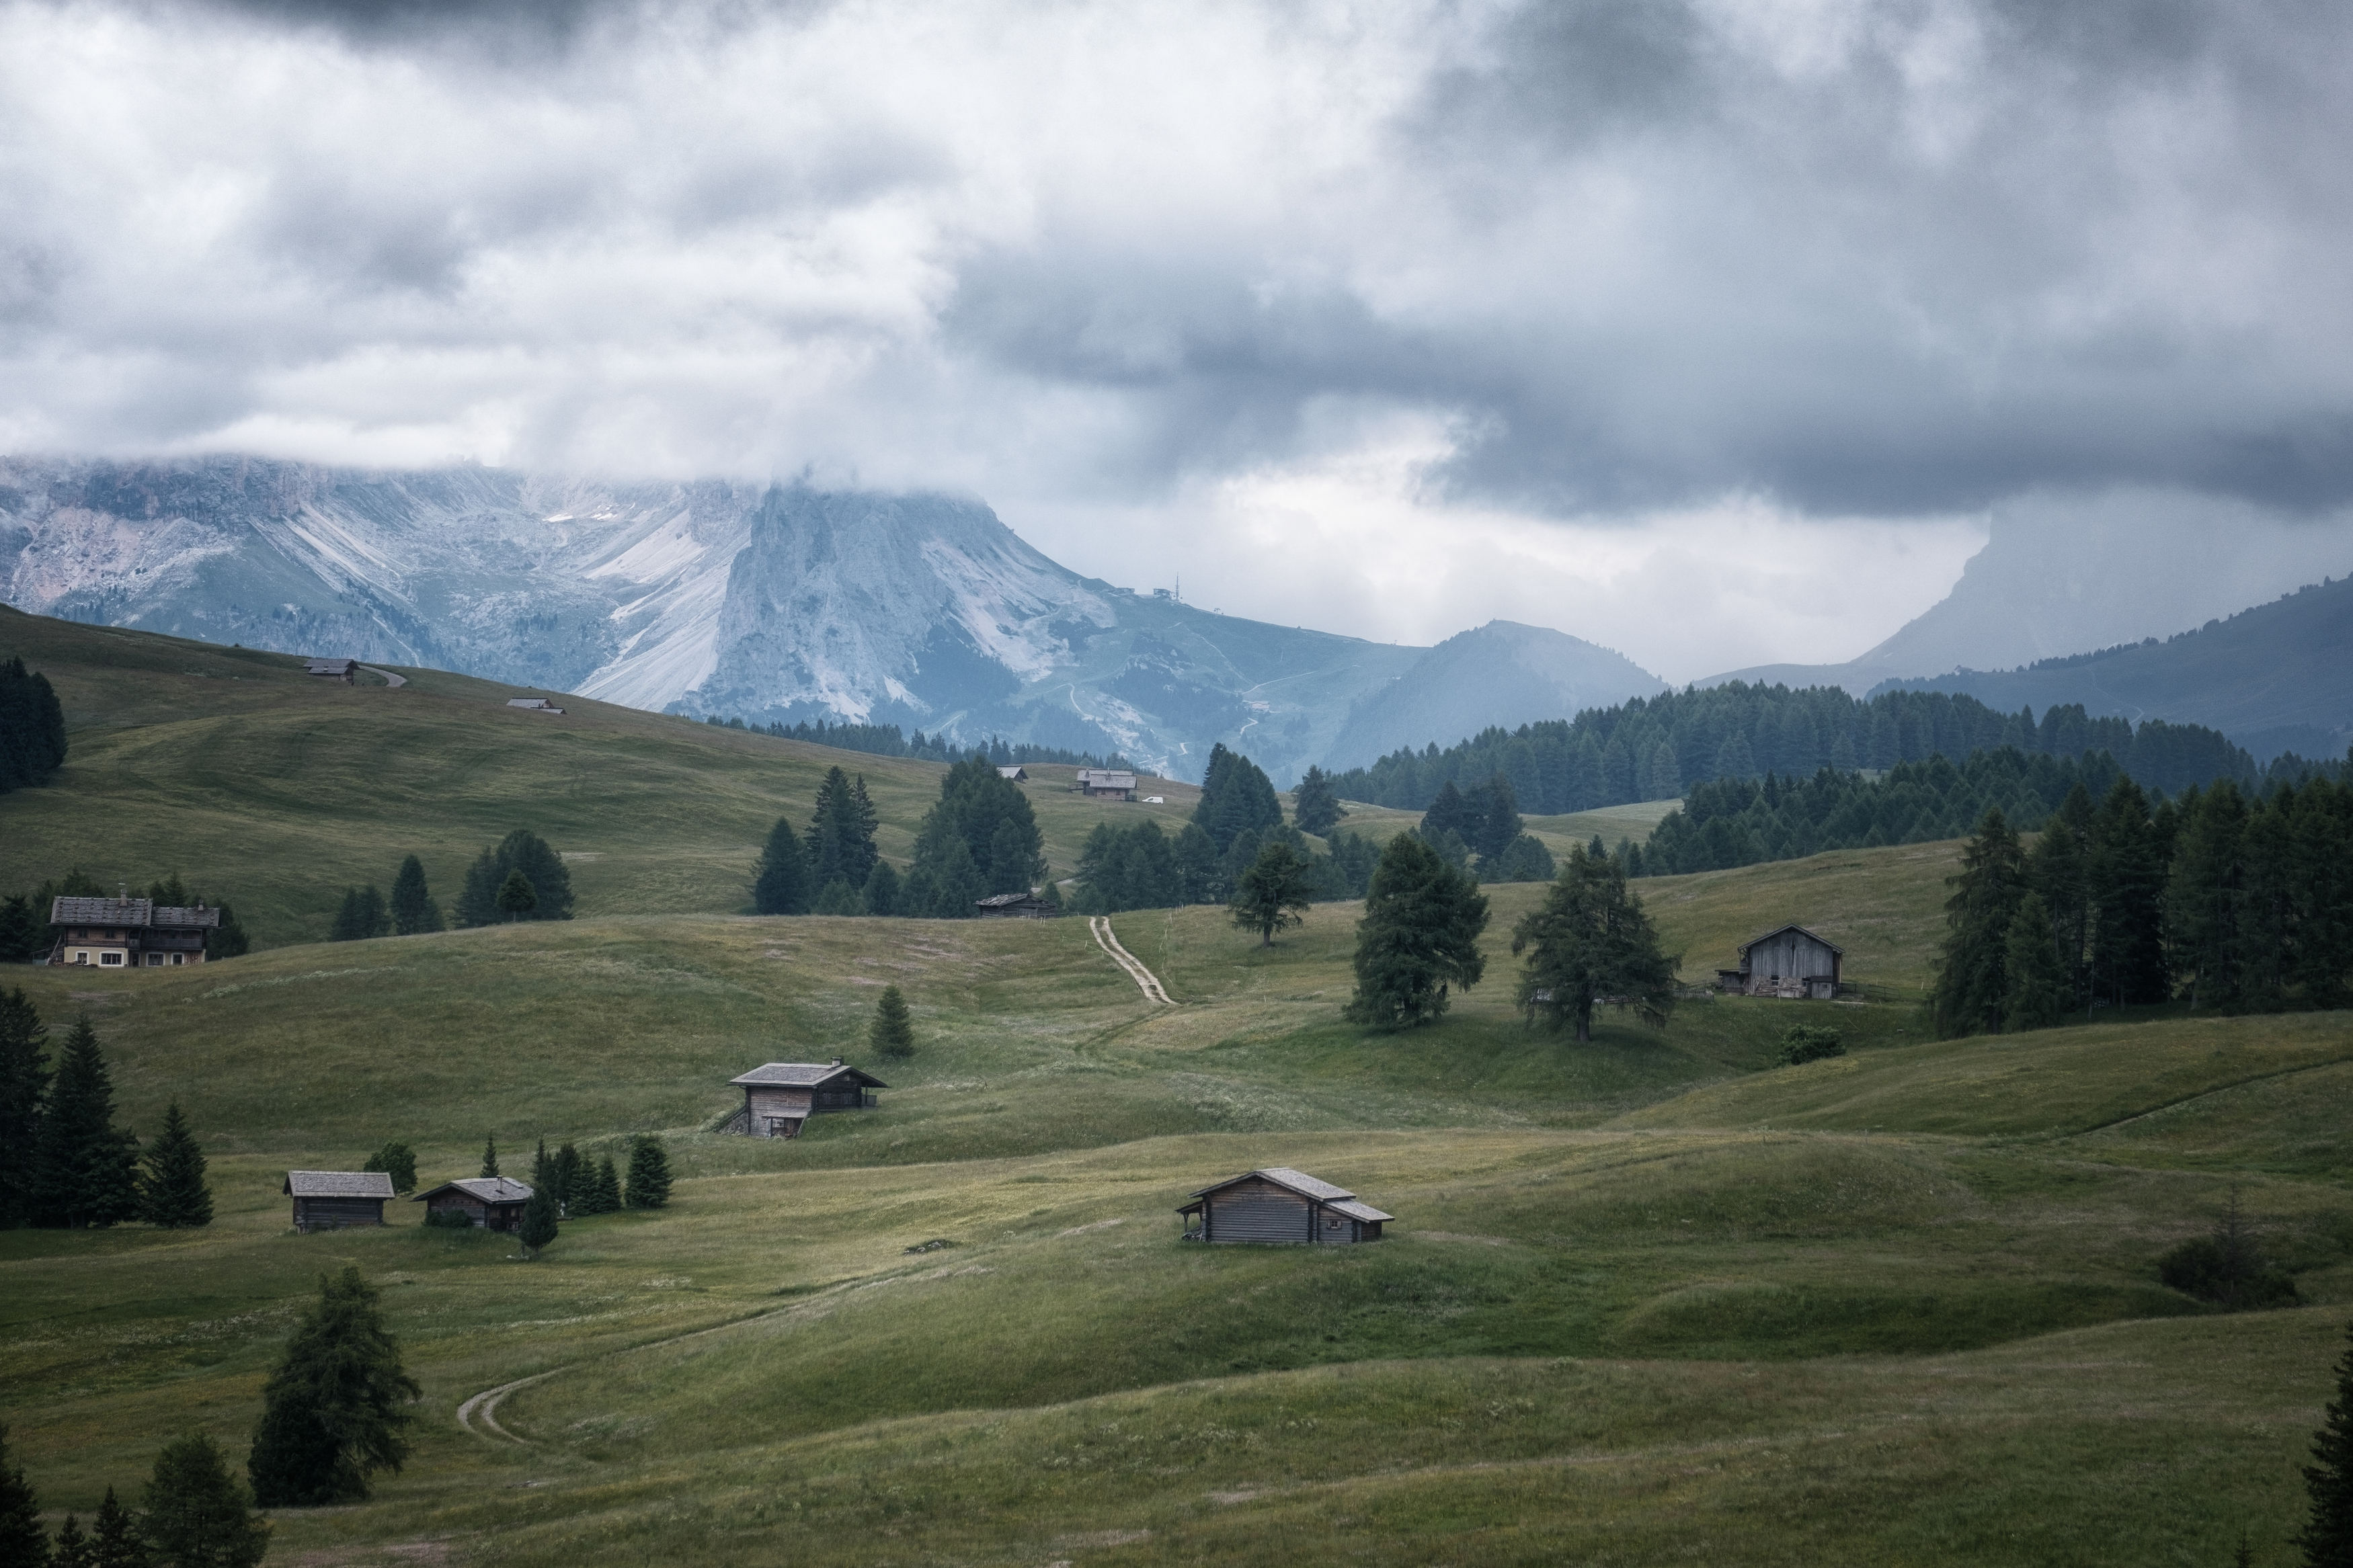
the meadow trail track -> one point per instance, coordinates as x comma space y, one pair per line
1145, 979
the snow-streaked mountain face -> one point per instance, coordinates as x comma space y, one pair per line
767, 603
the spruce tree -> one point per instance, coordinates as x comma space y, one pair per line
2127, 892
1419, 939
24, 1080
198, 1515
22, 1540
2034, 981
525, 851
892, 1033
173, 1193
517, 896
226, 940
2328, 1536
490, 1156
2204, 896
1236, 797
838, 897
540, 1166
649, 1173
538, 1219
72, 1548
780, 882
2060, 870
1274, 894
86, 1169
568, 1180
114, 1538
1314, 808
605, 1194
842, 833
413, 909
361, 916
334, 1407
1972, 992
1590, 938
32, 727
882, 894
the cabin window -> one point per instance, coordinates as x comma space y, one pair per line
179, 958
155, 960
110, 958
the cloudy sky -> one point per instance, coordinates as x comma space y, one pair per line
1620, 316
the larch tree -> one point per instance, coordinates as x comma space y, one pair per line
1419, 940
1591, 938
1274, 894
198, 1515
1314, 808
173, 1193
335, 1405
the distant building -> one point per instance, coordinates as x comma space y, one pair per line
1014, 906
333, 1200
1105, 784
1788, 962
1281, 1204
779, 1096
534, 704
128, 934
493, 1202
342, 669
1015, 772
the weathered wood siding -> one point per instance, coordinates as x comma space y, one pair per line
1333, 1227
334, 1214
1788, 955
768, 1103
1259, 1211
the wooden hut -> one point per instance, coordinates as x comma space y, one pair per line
779, 1096
343, 669
128, 934
1014, 906
333, 1200
493, 1202
1105, 784
1788, 962
1281, 1206
1016, 772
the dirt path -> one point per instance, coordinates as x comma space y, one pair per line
1145, 979
389, 679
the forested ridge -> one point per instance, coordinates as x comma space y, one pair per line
1655, 748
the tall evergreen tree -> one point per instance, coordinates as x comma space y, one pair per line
114, 1538
24, 1080
2126, 873
604, 1191
842, 833
2328, 1535
892, 1033
1275, 893
32, 728
361, 916
780, 882
517, 896
23, 929
883, 895
489, 1156
538, 1220
72, 1549
1591, 938
1419, 939
2035, 993
198, 1515
2204, 896
649, 1173
22, 1540
2060, 870
226, 940
525, 851
1236, 797
335, 1405
86, 1169
413, 909
173, 1193
1972, 992
980, 837
1314, 807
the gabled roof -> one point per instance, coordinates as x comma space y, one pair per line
1003, 900
332, 665
1299, 1182
488, 1189
139, 912
338, 1184
1014, 773
803, 1075
1801, 931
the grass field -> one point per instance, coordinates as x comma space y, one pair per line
1654, 1299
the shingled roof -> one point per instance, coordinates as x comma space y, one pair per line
488, 1189
801, 1075
1306, 1186
338, 1184
140, 912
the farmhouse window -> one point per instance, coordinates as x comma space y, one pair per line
106, 958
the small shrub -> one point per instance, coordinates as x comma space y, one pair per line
2227, 1268
1808, 1043
449, 1219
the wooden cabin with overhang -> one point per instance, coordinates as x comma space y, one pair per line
493, 1202
336, 1200
779, 1096
1014, 906
1105, 784
1788, 962
127, 933
1278, 1205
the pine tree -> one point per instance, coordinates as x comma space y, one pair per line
32, 728
1275, 893
2127, 877
22, 1540
981, 838
334, 1407
569, 1181
2328, 1536
1314, 808
361, 916
1419, 939
649, 1173
412, 907
540, 1166
606, 1194
892, 1033
1591, 938
780, 882
226, 940
490, 1156
538, 1219
2204, 896
517, 896
114, 1538
397, 1159
24, 1080
525, 851
838, 897
881, 895
2034, 981
85, 1170
842, 833
2060, 870
173, 1193
198, 1515
1236, 797
1971, 991
72, 1549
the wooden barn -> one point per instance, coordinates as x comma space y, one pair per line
128, 934
333, 1200
1016, 772
1105, 784
343, 669
493, 1202
1280, 1205
1014, 906
779, 1096
1788, 962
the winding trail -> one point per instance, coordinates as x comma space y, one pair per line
1145, 979
486, 1406
389, 679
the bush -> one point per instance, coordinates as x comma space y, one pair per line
2227, 1268
449, 1219
1808, 1043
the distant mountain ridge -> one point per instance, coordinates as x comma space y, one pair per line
773, 603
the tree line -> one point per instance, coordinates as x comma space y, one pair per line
2228, 901
886, 741
32, 728
1655, 748
520, 878
65, 1163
